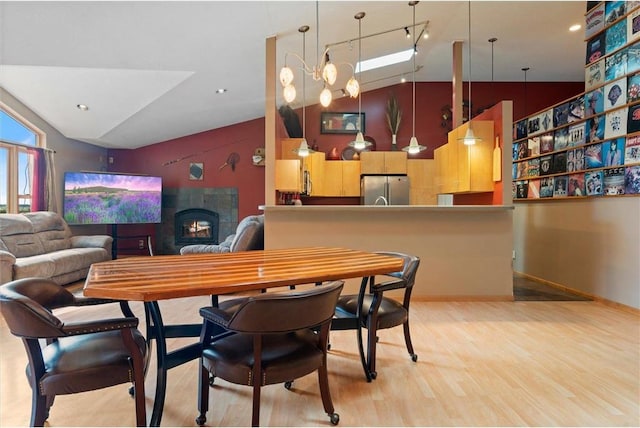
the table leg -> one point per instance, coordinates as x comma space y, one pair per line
161, 352
365, 364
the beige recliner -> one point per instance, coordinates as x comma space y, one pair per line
249, 236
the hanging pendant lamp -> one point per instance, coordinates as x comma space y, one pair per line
413, 147
303, 150
470, 138
359, 143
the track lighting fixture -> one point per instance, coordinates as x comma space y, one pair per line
408, 34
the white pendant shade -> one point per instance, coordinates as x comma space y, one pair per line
353, 87
469, 138
303, 150
359, 143
325, 97
286, 76
289, 93
330, 73
413, 147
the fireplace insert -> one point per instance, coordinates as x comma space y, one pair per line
196, 226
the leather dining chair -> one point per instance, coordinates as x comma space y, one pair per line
274, 338
78, 356
380, 312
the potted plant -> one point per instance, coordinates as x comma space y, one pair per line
394, 116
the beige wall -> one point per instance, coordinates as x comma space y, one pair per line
591, 245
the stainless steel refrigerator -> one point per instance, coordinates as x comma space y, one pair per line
384, 190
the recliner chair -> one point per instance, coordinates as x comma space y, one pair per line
249, 236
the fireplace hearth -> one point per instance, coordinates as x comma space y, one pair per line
196, 226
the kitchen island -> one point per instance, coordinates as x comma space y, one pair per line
465, 250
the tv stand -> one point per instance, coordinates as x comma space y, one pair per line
142, 239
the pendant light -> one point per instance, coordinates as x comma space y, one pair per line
470, 138
359, 143
413, 146
303, 150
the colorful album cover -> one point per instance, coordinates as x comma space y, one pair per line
595, 129
575, 186
561, 138
561, 115
576, 135
613, 152
534, 189
593, 156
546, 187
521, 169
522, 189
632, 180
533, 125
615, 94
593, 183
615, 65
614, 181
533, 167
546, 164
595, 48
633, 25
633, 119
632, 150
546, 143
594, 103
514, 151
594, 21
534, 146
560, 186
615, 123
575, 160
522, 150
594, 73
576, 110
633, 58
614, 10
633, 88
521, 129
559, 163
514, 171
615, 36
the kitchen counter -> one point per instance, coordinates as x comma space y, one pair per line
465, 250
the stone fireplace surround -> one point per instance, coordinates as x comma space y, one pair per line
223, 200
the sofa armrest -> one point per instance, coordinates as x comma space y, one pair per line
93, 241
200, 249
7, 260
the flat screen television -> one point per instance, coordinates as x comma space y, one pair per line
111, 198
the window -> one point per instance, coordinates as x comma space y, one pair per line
16, 163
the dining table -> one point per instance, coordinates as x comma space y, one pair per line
150, 279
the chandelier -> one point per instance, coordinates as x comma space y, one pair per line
324, 71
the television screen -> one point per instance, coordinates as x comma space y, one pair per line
108, 198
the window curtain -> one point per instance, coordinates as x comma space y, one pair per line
43, 197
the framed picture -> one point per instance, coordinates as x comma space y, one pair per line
341, 123
196, 171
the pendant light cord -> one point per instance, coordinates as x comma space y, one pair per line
413, 73
360, 74
304, 89
469, 62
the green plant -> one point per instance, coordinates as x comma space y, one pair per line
394, 114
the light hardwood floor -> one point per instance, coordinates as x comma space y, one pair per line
480, 364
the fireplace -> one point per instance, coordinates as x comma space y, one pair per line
196, 226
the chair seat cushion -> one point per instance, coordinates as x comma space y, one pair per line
285, 357
87, 362
390, 314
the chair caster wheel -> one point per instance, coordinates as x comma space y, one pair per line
414, 357
200, 420
212, 380
132, 391
335, 418
374, 375
328, 347
288, 384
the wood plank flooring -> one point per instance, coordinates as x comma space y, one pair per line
520, 363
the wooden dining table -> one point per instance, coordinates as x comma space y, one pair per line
163, 277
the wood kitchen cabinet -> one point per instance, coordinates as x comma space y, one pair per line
341, 178
466, 169
383, 162
314, 165
288, 175
421, 173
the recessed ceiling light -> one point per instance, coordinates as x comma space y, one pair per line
575, 27
221, 91
82, 107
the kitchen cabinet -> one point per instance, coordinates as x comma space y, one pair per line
314, 166
421, 173
341, 178
288, 175
466, 169
287, 147
383, 162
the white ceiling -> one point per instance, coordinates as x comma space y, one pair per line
149, 70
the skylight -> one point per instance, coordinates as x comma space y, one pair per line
384, 61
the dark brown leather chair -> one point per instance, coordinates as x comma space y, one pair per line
275, 338
380, 312
77, 357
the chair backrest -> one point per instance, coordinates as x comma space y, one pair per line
249, 234
409, 267
26, 306
282, 312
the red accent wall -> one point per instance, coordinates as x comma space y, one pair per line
171, 159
